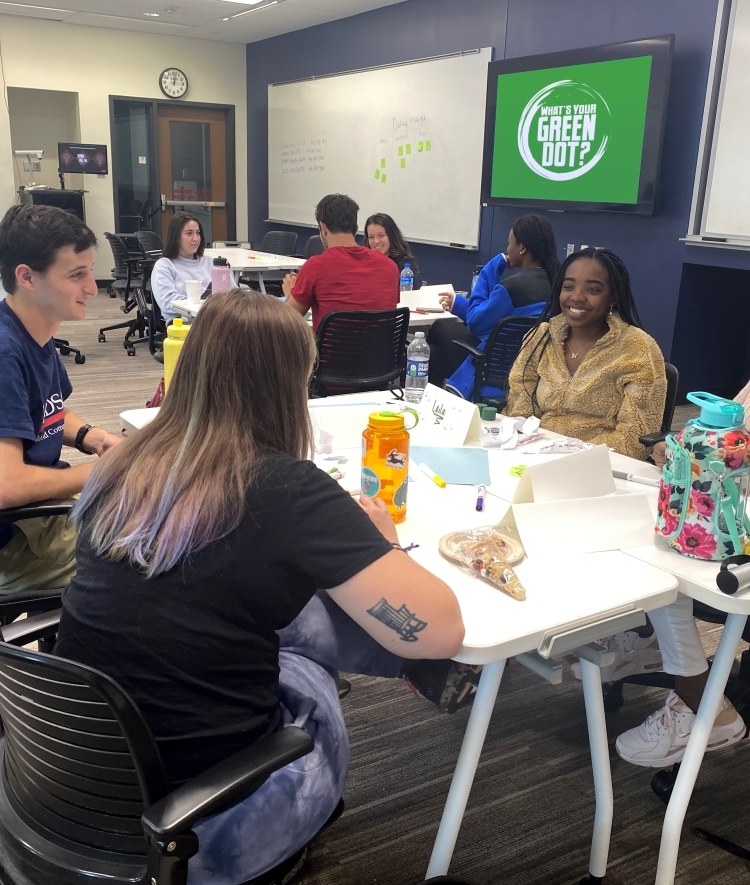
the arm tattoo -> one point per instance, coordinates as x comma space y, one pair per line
399, 619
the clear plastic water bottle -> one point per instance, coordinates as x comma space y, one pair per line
417, 368
407, 278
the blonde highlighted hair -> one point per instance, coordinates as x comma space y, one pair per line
238, 395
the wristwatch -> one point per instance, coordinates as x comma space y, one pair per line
82, 431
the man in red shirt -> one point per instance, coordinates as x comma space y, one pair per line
346, 276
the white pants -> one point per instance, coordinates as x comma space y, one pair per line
679, 641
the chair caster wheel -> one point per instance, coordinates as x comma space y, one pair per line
131, 351
80, 358
613, 697
591, 880
662, 783
64, 351
102, 337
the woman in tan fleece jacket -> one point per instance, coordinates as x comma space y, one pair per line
588, 370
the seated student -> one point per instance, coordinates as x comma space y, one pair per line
46, 262
182, 260
183, 581
346, 276
588, 370
382, 234
532, 255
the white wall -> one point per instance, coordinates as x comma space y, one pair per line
97, 63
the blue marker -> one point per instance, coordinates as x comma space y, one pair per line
480, 497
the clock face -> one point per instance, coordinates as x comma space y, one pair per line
173, 83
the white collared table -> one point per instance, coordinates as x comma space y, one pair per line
255, 263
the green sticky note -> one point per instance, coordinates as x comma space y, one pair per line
377, 173
408, 148
517, 470
382, 163
400, 150
403, 163
383, 177
428, 145
420, 145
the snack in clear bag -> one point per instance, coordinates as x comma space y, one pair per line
488, 553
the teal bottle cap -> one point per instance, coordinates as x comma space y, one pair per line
489, 413
718, 412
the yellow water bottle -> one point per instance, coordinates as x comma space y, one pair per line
385, 460
176, 334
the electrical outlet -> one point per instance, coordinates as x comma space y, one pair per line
570, 249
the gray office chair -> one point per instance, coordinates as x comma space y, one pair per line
279, 242
313, 246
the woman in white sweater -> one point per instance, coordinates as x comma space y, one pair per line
182, 260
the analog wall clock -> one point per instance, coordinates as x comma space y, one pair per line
173, 83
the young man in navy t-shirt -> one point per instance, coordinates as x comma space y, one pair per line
346, 276
46, 266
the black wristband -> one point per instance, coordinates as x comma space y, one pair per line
82, 431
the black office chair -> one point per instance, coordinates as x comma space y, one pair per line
313, 246
126, 280
66, 348
148, 309
492, 365
84, 796
279, 242
150, 243
360, 350
30, 602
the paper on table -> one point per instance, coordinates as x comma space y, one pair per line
584, 525
584, 474
466, 467
344, 422
426, 296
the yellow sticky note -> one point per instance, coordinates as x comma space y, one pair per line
377, 173
420, 145
382, 163
408, 148
428, 145
383, 177
400, 150
403, 163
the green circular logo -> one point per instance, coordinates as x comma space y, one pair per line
564, 130
370, 482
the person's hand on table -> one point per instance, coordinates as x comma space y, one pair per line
378, 513
99, 442
446, 300
287, 284
659, 453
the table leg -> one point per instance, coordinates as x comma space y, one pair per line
261, 283
591, 677
696, 747
463, 776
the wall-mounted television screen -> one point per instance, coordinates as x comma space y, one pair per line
86, 158
580, 129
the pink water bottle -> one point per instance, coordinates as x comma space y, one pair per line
221, 276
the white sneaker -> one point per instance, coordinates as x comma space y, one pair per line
662, 738
633, 655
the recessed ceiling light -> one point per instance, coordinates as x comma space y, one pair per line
246, 11
151, 14
245, 2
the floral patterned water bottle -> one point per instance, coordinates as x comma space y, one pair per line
703, 494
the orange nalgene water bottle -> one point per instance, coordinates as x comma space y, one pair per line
385, 461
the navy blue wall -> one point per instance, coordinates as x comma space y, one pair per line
650, 246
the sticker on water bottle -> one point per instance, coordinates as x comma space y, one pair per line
370, 482
417, 368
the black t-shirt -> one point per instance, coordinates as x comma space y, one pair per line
196, 647
527, 286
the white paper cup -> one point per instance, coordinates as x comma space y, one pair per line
193, 290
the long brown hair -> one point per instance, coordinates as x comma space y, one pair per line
399, 250
174, 232
238, 395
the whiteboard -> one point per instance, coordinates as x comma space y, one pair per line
721, 202
406, 140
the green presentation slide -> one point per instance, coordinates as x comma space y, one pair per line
571, 133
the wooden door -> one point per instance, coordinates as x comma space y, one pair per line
193, 163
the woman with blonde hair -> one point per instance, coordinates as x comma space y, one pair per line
204, 539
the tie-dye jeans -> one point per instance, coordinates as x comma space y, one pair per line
296, 801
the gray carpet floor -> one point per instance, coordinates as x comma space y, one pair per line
530, 813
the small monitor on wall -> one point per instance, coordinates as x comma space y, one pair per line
86, 158
581, 129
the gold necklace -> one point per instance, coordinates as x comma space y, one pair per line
574, 354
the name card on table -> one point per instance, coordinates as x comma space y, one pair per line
445, 419
569, 505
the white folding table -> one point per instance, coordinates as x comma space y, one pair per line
255, 263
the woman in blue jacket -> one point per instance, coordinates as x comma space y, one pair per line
532, 259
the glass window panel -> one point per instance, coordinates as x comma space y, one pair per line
191, 160
132, 165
